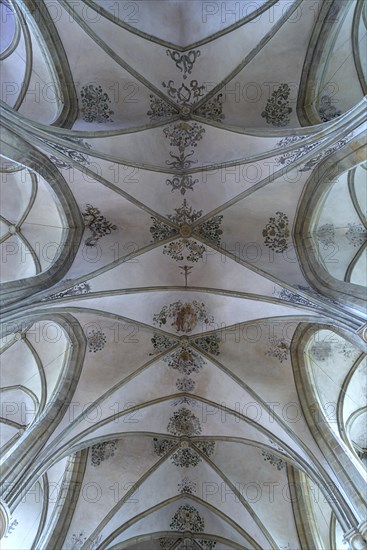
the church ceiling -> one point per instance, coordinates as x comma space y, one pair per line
183, 234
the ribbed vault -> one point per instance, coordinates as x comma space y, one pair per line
187, 370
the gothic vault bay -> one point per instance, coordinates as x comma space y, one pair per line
184, 236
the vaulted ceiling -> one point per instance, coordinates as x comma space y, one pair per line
184, 275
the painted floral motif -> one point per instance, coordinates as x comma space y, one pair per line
212, 109
77, 541
161, 343
209, 343
185, 214
187, 518
289, 296
182, 183
276, 233
207, 447
185, 384
162, 446
295, 154
208, 544
325, 234
187, 486
322, 154
278, 349
160, 230
184, 134
327, 110
75, 156
277, 108
160, 109
103, 451
184, 458
181, 161
356, 234
95, 104
184, 422
76, 290
274, 460
187, 249
211, 229
184, 316
12, 526
184, 61
96, 340
184, 94
97, 224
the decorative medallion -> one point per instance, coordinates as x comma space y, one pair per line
185, 384
184, 94
103, 451
184, 458
209, 343
277, 109
76, 290
277, 232
327, 110
162, 446
184, 61
187, 518
186, 249
97, 224
278, 349
184, 422
185, 360
95, 104
184, 134
182, 183
75, 156
160, 109
187, 486
356, 234
325, 234
96, 340
273, 460
212, 109
184, 316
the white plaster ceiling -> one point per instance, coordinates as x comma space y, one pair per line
190, 256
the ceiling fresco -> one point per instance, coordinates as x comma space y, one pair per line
183, 240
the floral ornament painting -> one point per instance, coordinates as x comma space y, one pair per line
276, 233
184, 316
